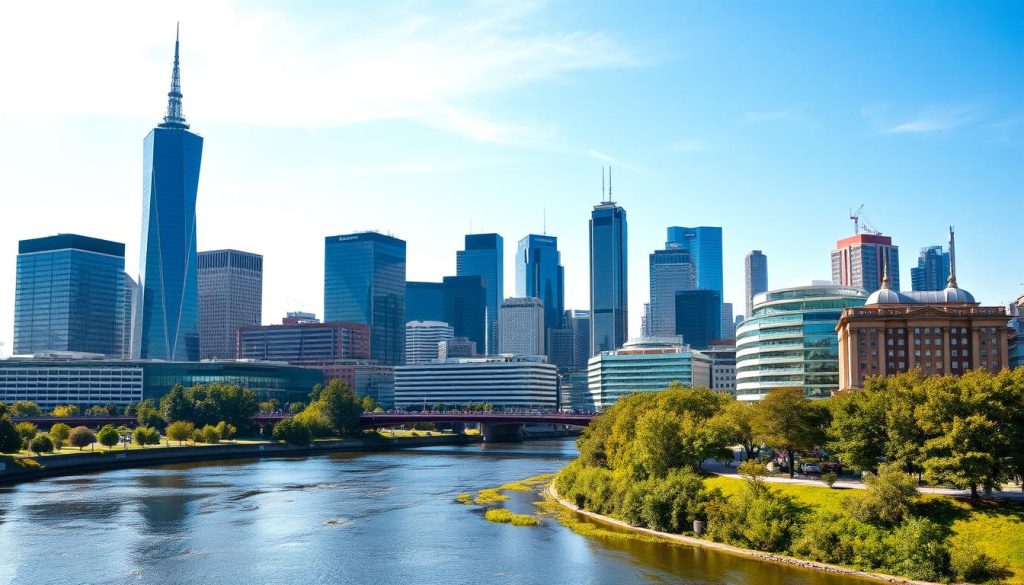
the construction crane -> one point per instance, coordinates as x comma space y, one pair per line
855, 216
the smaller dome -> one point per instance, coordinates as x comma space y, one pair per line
952, 294
887, 296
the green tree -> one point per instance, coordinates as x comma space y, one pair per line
148, 414
180, 431
210, 434
175, 406
59, 434
341, 407
292, 432
25, 408
738, 418
81, 437
10, 440
226, 431
296, 407
146, 436
65, 410
97, 410
27, 431
108, 436
858, 429
315, 419
887, 498
41, 444
785, 419
368, 403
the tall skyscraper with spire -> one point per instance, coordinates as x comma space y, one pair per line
168, 284
609, 298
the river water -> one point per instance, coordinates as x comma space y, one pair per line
344, 518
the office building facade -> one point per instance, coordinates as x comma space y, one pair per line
609, 293
230, 296
465, 308
424, 301
484, 257
69, 295
671, 270
128, 316
364, 282
1016, 312
423, 338
698, 316
503, 381
539, 274
169, 289
457, 347
644, 365
790, 341
728, 328
306, 343
521, 326
755, 272
932, 270
860, 261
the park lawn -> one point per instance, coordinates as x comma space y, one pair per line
994, 526
97, 448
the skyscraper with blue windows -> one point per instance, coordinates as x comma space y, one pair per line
483, 257
609, 298
705, 246
364, 282
168, 283
539, 274
69, 295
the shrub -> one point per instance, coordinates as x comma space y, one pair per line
918, 550
837, 538
293, 432
81, 437
829, 478
27, 431
59, 433
108, 436
210, 434
670, 504
754, 518
314, 418
887, 499
66, 410
970, 565
180, 431
226, 431
146, 436
41, 444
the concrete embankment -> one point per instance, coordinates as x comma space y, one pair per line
87, 461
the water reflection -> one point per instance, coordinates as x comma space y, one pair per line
342, 518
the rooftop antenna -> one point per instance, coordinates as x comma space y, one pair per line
602, 185
951, 283
609, 184
545, 221
174, 117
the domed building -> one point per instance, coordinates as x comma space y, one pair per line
937, 332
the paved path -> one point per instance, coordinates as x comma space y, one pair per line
1009, 493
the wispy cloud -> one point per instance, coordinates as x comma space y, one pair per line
935, 119
611, 160
691, 145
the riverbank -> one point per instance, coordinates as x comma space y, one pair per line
748, 553
88, 461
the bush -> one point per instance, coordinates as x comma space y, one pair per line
293, 432
970, 565
839, 539
887, 499
66, 410
226, 431
10, 440
146, 436
315, 420
59, 434
27, 431
210, 434
41, 444
754, 518
108, 436
918, 550
81, 437
180, 431
829, 478
670, 504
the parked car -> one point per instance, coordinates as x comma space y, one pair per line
810, 468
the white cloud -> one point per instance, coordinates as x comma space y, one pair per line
611, 160
935, 119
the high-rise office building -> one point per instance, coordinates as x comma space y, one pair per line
424, 301
755, 269
483, 256
932, 270
128, 315
521, 326
728, 325
422, 340
698, 316
69, 295
609, 294
456, 347
230, 296
579, 321
861, 260
169, 297
560, 346
539, 274
705, 246
672, 270
364, 282
465, 307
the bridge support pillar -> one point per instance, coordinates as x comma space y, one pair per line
459, 428
502, 433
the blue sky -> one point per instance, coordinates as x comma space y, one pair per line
424, 119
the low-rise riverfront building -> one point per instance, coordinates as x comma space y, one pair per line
790, 340
645, 365
504, 381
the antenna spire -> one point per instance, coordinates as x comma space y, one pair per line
602, 185
174, 118
951, 283
545, 221
609, 184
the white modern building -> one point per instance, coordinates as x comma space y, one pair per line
645, 365
504, 381
422, 339
521, 326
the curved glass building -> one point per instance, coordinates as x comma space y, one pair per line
790, 340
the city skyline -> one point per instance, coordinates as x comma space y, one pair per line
493, 167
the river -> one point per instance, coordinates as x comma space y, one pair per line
344, 518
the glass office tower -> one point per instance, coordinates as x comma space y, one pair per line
465, 307
932, 269
424, 301
364, 282
69, 295
705, 246
169, 327
483, 257
671, 271
609, 320
539, 274
698, 317
230, 296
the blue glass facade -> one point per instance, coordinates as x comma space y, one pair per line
69, 295
698, 316
483, 257
932, 269
539, 274
609, 298
424, 301
465, 307
364, 282
705, 246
